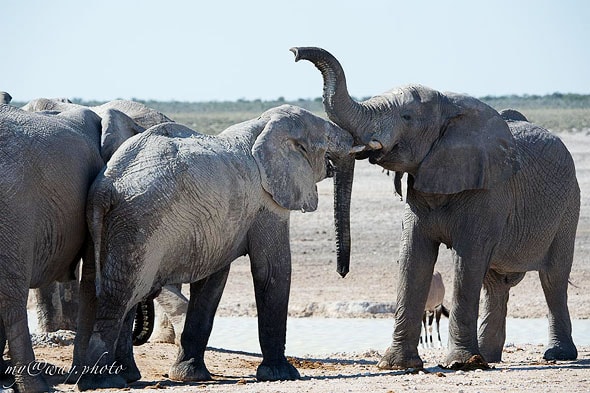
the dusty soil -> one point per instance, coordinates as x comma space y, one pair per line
317, 290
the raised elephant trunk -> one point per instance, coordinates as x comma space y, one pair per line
339, 106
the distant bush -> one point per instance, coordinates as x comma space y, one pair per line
555, 100
555, 111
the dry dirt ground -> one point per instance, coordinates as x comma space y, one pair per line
317, 290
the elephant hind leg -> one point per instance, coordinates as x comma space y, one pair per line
105, 349
203, 302
554, 281
554, 276
124, 351
492, 330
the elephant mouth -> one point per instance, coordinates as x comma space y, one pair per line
385, 158
373, 150
375, 158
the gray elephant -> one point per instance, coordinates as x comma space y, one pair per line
5, 98
57, 303
502, 194
177, 206
143, 117
47, 165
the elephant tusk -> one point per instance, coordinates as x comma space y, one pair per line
358, 149
375, 145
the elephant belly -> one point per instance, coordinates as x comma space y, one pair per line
57, 247
189, 243
527, 240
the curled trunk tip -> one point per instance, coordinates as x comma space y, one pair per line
339, 105
295, 51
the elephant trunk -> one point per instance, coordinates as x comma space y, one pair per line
143, 324
339, 105
343, 177
339, 146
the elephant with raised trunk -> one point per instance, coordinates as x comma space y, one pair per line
501, 193
176, 206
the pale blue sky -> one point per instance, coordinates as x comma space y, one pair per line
227, 50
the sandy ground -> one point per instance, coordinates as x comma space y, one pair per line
369, 291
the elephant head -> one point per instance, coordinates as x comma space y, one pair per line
297, 149
447, 142
5, 98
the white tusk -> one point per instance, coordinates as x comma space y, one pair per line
375, 145
357, 149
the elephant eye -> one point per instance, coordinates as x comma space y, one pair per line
406, 117
301, 147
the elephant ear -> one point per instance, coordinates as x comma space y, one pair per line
285, 171
117, 127
475, 150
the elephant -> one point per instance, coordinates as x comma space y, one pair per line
57, 303
48, 163
143, 117
5, 98
176, 206
502, 194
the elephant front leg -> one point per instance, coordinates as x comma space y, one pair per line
270, 258
492, 330
203, 302
417, 258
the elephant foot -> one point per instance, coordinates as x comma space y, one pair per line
3, 368
459, 359
561, 351
280, 370
6, 381
492, 355
475, 362
395, 360
127, 368
130, 373
189, 371
94, 381
165, 334
30, 383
